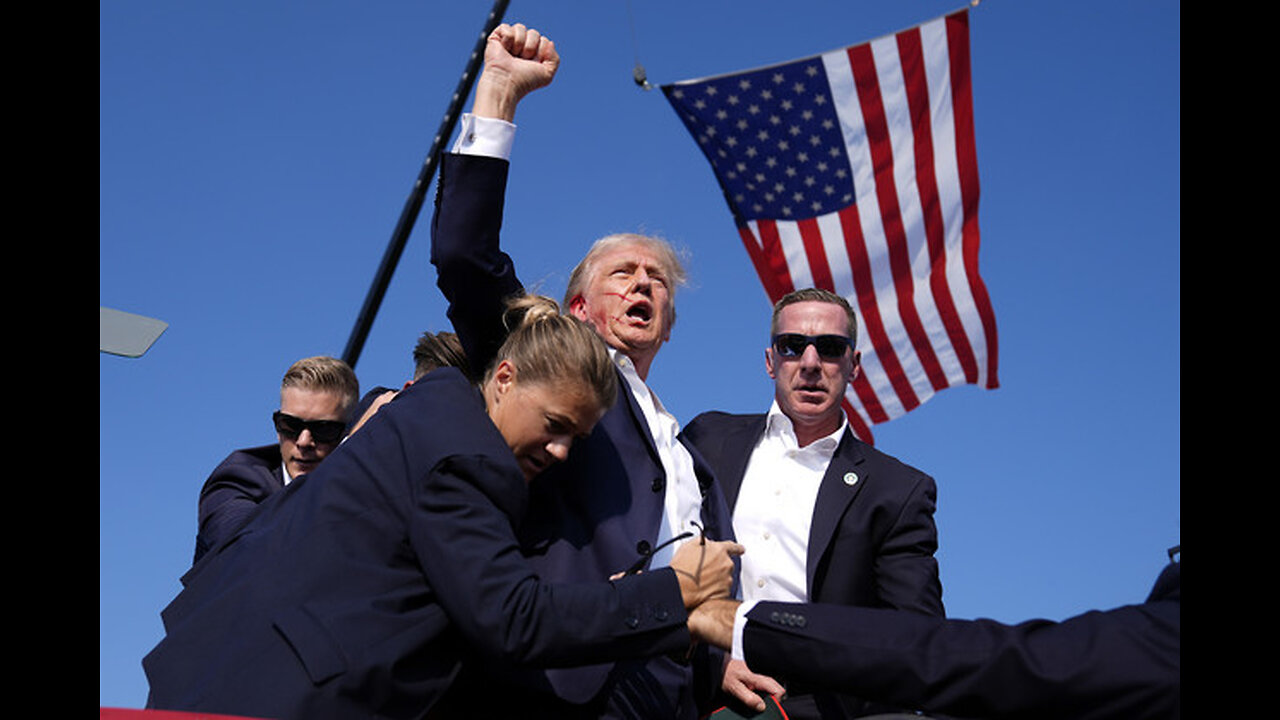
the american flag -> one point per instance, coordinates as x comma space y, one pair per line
855, 171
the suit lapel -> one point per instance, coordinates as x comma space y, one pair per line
842, 482
636, 416
738, 446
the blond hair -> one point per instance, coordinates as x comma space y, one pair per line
547, 346
324, 374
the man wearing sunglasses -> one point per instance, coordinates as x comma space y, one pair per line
823, 516
317, 395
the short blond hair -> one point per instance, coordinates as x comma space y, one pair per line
324, 374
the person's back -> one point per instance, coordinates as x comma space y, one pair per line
308, 564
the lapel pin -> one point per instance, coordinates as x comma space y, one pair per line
850, 478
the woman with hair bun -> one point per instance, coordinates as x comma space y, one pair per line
356, 591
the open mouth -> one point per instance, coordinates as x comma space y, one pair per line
641, 312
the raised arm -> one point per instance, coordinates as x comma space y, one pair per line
473, 272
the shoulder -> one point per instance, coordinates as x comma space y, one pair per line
899, 473
255, 471
263, 457
442, 406
717, 422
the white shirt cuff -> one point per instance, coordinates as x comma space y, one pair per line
490, 137
740, 622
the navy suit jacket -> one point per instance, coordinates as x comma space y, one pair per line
872, 538
356, 591
589, 517
242, 481
1121, 664
233, 491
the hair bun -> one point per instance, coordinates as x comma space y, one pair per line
528, 310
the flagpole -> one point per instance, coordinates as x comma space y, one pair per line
413, 205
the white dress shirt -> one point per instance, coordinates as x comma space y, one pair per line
774, 510
682, 502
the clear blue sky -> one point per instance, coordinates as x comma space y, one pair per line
254, 158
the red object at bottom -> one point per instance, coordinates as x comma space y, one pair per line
105, 713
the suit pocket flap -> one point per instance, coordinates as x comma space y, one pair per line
311, 641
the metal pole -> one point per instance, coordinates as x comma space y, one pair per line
400, 236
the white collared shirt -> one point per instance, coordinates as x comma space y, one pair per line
774, 509
682, 502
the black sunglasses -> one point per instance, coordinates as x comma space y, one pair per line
324, 431
792, 345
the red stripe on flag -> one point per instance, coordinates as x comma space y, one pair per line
911, 58
819, 269
870, 401
873, 325
767, 257
967, 160
862, 63
860, 428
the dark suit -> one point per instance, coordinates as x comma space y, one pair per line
872, 538
233, 491
242, 481
589, 517
1121, 664
355, 592
363, 406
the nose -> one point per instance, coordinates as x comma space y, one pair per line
305, 439
558, 448
810, 359
641, 281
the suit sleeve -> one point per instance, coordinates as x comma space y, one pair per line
905, 566
474, 274
227, 499
1118, 663
490, 592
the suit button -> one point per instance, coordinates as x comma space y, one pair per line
658, 484
774, 616
632, 622
660, 614
800, 621
643, 547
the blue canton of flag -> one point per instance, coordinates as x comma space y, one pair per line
773, 138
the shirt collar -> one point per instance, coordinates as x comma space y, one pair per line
778, 425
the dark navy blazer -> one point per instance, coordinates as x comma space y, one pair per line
871, 542
356, 590
1121, 664
242, 481
596, 513
233, 491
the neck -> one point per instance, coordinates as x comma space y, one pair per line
808, 431
641, 359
